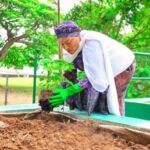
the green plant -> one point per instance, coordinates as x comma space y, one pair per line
52, 73
138, 89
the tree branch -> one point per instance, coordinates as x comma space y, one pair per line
119, 26
142, 46
9, 31
24, 42
138, 33
36, 25
148, 38
10, 42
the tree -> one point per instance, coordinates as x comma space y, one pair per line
112, 17
27, 26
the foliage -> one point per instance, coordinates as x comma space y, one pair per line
52, 70
113, 17
27, 25
19, 56
138, 89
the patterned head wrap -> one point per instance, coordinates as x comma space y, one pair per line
67, 29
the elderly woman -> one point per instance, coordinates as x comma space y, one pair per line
108, 66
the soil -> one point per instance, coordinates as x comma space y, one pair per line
46, 131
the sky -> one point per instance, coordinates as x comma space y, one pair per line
66, 5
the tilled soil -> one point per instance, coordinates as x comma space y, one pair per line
52, 132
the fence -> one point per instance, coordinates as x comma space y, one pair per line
145, 62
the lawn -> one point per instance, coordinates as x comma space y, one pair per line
20, 90
18, 82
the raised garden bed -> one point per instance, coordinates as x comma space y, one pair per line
43, 130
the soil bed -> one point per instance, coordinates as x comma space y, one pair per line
45, 131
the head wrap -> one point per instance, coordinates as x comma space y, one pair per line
67, 29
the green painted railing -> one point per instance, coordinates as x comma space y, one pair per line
142, 53
140, 78
35, 77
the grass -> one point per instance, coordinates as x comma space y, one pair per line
20, 90
18, 82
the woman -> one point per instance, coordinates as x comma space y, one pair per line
108, 67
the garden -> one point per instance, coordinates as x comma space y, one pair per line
58, 131
27, 39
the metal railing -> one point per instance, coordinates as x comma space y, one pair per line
139, 78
